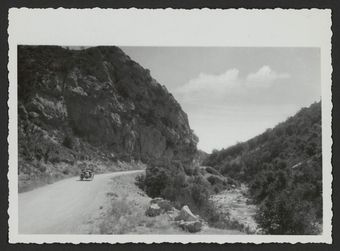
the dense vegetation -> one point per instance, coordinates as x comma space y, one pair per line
184, 186
283, 169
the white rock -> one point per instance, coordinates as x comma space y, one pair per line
186, 215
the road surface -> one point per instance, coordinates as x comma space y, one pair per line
65, 206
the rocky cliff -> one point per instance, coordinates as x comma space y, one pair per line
94, 104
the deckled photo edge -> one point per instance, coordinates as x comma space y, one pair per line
16, 39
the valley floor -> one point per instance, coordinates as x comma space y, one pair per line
237, 208
124, 213
110, 204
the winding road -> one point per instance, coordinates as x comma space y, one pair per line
65, 206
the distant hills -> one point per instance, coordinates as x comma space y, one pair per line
283, 169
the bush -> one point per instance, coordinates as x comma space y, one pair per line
156, 180
140, 181
290, 202
68, 142
41, 167
199, 192
66, 171
214, 217
213, 180
171, 183
212, 170
283, 215
190, 171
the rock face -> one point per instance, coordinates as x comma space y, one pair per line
96, 103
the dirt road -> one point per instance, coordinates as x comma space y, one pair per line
65, 206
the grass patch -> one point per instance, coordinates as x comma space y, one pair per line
125, 217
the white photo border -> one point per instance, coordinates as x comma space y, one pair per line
170, 27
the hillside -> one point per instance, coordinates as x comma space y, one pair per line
94, 106
283, 169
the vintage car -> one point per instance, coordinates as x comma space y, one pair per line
87, 174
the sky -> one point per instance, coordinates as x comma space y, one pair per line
232, 94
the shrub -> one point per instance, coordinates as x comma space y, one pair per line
41, 167
156, 180
190, 170
282, 215
199, 193
171, 182
212, 170
175, 186
68, 142
140, 181
213, 180
215, 218
66, 171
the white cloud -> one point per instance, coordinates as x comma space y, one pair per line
211, 83
264, 77
211, 89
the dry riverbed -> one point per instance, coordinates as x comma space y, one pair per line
237, 210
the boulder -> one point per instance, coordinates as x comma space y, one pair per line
191, 226
153, 210
159, 206
186, 215
173, 213
165, 205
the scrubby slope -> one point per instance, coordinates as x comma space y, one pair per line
94, 105
283, 168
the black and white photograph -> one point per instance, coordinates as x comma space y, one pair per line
170, 140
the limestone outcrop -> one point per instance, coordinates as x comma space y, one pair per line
95, 103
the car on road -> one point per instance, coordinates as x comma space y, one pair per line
86, 174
